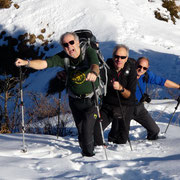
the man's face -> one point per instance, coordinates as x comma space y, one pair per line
71, 46
142, 67
120, 58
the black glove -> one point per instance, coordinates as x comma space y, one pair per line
61, 75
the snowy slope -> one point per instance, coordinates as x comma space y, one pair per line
112, 21
50, 158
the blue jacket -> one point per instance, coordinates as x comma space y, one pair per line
152, 79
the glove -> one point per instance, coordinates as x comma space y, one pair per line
61, 75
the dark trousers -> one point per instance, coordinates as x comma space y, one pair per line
142, 116
85, 115
119, 132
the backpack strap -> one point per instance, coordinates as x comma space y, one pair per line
83, 47
105, 67
145, 79
140, 88
66, 66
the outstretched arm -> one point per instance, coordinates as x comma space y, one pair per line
171, 84
35, 64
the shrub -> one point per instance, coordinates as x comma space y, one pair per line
44, 108
8, 94
172, 8
5, 129
159, 16
5, 4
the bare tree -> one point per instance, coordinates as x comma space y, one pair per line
7, 93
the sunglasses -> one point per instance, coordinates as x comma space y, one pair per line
67, 44
119, 57
140, 67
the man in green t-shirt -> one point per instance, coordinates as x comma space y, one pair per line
80, 76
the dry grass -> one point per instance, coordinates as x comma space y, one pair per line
42, 110
172, 8
4, 129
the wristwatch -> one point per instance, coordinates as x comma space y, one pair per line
27, 65
122, 90
94, 73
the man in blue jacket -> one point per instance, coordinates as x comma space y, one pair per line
145, 76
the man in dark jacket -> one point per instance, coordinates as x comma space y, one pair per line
144, 77
79, 82
118, 104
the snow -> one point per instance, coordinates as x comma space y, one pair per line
112, 21
49, 157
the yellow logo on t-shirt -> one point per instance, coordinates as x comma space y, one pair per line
78, 77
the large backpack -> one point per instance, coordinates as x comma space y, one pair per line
87, 39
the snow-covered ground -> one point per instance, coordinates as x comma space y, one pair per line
50, 158
130, 22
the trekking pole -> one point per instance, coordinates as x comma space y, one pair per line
59, 111
120, 105
178, 101
22, 110
99, 118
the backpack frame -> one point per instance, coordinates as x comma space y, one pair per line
87, 39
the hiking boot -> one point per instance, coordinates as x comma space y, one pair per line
87, 154
152, 137
110, 139
116, 140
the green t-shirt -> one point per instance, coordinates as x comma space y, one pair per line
77, 71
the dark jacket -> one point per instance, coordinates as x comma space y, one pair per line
127, 77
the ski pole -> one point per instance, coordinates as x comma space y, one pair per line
59, 111
22, 110
99, 118
120, 105
178, 101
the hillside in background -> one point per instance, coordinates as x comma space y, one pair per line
31, 29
